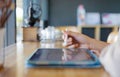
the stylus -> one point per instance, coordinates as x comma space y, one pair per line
66, 38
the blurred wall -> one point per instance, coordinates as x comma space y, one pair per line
63, 12
10, 37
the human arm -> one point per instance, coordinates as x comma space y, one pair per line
77, 40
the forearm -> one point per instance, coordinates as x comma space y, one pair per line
97, 45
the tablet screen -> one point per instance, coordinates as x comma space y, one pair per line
61, 55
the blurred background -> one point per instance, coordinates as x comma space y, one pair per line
96, 18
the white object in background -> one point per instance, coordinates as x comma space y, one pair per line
92, 18
111, 18
58, 34
110, 58
50, 33
81, 15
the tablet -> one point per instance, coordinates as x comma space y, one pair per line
64, 57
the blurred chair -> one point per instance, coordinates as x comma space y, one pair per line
112, 37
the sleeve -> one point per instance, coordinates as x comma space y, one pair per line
110, 58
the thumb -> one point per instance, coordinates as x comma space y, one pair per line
78, 37
75, 36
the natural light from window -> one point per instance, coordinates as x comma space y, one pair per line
19, 20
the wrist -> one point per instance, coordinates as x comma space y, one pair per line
97, 45
91, 44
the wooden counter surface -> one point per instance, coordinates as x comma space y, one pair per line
15, 64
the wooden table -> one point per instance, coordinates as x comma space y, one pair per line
15, 64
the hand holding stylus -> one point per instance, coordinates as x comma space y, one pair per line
78, 40
69, 40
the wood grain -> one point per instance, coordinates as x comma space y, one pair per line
30, 33
17, 54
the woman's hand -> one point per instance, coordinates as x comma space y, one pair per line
77, 40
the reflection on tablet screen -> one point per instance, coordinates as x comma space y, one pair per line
66, 55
